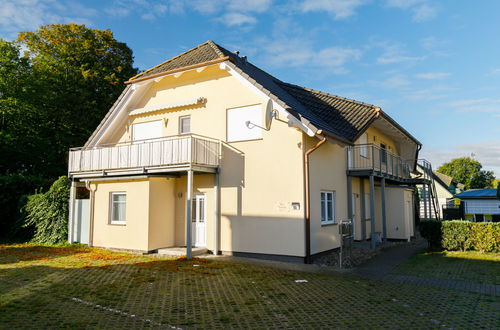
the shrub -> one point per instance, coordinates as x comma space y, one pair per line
48, 213
456, 235
483, 238
12, 189
431, 231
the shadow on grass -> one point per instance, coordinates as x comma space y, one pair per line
29, 252
470, 266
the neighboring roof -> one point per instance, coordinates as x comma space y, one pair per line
343, 118
445, 179
478, 193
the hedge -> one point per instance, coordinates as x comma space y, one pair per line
461, 235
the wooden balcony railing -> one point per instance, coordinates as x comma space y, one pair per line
370, 157
153, 153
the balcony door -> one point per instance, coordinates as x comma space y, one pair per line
198, 230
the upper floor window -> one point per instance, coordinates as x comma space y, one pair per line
383, 153
117, 204
363, 139
185, 125
147, 130
327, 207
243, 122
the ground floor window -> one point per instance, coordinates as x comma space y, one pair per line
118, 203
327, 207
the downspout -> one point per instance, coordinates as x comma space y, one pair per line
308, 197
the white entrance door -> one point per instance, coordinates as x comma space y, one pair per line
198, 231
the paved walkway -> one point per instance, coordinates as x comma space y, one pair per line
379, 268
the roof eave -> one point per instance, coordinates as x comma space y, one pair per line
185, 68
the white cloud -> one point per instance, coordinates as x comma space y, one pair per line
402, 4
422, 10
22, 15
394, 53
486, 152
435, 46
340, 9
433, 75
236, 19
495, 71
483, 105
299, 52
432, 93
424, 13
257, 6
395, 81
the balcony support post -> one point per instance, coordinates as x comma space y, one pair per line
71, 217
384, 219
350, 211
362, 207
217, 213
424, 197
373, 235
189, 205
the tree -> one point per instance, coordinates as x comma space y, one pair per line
469, 172
76, 75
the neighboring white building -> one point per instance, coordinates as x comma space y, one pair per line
481, 205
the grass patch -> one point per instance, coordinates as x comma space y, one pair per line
471, 266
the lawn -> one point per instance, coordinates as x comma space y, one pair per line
468, 266
77, 287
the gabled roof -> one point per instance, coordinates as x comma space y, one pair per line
479, 193
340, 117
445, 179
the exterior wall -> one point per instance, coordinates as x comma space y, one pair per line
328, 165
260, 179
133, 235
162, 209
400, 215
377, 137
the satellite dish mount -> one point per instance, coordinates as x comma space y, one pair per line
268, 117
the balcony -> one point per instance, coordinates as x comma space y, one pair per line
167, 154
368, 159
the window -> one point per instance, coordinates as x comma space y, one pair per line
242, 123
185, 125
118, 203
383, 153
327, 207
363, 140
147, 130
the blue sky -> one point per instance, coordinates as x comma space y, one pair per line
434, 66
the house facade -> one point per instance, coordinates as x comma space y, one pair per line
208, 150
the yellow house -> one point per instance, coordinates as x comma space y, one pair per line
207, 150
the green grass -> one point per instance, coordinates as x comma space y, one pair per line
79, 287
468, 266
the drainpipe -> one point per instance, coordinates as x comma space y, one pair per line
308, 197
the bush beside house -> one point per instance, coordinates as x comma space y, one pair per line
48, 213
461, 235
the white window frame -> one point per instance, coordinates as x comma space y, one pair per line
111, 208
181, 118
324, 207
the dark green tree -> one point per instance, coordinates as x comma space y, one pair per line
469, 172
77, 73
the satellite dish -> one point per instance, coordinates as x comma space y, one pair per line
269, 114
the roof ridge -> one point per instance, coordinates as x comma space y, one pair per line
331, 95
216, 48
209, 42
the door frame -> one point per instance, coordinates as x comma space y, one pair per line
196, 214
